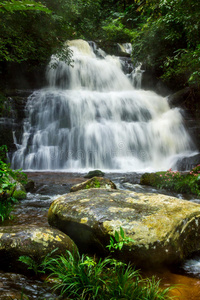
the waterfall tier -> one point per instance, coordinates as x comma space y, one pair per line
91, 116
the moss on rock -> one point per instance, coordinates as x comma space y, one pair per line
19, 195
151, 179
165, 229
33, 241
95, 182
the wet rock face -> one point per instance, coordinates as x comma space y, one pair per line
95, 182
32, 241
165, 229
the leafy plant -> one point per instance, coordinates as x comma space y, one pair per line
15, 5
175, 181
8, 181
83, 277
118, 241
174, 27
86, 278
35, 266
93, 184
32, 264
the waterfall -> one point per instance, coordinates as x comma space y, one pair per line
91, 116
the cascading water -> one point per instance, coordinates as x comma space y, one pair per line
91, 116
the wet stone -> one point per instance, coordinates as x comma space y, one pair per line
95, 182
33, 241
165, 229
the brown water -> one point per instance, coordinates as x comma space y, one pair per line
34, 209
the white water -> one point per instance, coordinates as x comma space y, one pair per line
92, 116
192, 266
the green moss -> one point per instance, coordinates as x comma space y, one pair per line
19, 195
93, 184
152, 179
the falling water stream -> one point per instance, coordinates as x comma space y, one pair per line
93, 115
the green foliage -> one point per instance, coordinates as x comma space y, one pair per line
23, 5
118, 241
184, 64
175, 181
164, 33
19, 195
35, 266
169, 39
32, 264
36, 37
84, 277
116, 31
93, 184
8, 178
120, 25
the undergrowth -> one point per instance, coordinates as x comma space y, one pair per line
181, 183
8, 181
82, 277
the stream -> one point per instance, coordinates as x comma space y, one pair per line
34, 209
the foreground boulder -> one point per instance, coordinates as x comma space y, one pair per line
32, 241
95, 182
165, 229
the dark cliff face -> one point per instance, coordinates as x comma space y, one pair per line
188, 99
17, 82
21, 76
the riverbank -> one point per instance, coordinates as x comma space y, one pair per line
33, 211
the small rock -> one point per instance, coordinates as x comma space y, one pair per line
95, 182
29, 186
94, 173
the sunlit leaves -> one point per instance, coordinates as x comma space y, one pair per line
169, 38
23, 5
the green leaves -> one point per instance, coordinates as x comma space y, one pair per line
118, 241
181, 183
23, 5
170, 26
8, 178
82, 277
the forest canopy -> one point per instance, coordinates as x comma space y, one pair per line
164, 33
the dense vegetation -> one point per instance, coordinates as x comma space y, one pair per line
8, 182
82, 277
188, 183
164, 33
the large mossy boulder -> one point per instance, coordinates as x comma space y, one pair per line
33, 241
165, 229
95, 182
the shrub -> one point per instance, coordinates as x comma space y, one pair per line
8, 178
175, 181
